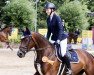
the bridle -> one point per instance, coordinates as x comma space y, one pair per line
25, 49
36, 60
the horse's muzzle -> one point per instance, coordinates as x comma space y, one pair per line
21, 54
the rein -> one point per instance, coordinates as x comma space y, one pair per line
40, 49
38, 46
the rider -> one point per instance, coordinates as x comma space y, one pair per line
55, 27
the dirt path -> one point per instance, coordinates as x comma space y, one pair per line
11, 64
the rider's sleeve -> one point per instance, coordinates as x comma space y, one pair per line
48, 33
28, 31
60, 26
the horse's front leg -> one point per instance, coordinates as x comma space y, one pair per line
8, 45
36, 68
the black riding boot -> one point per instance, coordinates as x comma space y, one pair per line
68, 65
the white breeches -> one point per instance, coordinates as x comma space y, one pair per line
63, 46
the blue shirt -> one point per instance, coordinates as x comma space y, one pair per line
56, 28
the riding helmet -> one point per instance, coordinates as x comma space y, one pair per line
49, 5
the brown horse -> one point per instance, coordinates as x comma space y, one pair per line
4, 35
72, 36
44, 48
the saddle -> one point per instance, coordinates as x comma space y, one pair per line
71, 53
73, 57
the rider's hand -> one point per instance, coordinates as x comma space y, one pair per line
58, 41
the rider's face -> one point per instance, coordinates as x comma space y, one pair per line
24, 29
48, 11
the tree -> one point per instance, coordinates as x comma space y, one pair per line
41, 16
19, 12
91, 8
74, 14
2, 3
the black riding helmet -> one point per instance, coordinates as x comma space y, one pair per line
50, 5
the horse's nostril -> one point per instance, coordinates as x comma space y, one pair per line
20, 54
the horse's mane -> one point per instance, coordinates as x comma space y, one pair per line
49, 44
4, 28
43, 38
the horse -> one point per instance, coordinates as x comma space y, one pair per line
44, 48
72, 36
4, 35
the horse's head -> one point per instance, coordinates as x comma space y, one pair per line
7, 30
26, 44
36, 41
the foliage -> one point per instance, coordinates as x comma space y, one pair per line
41, 17
22, 13
90, 4
91, 8
16, 41
74, 14
19, 12
2, 3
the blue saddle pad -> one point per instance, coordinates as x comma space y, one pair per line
73, 56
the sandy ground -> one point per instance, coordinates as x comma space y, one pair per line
11, 64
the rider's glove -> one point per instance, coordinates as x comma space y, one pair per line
58, 41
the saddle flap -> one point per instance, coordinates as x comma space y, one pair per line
73, 56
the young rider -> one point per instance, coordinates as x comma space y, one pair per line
55, 27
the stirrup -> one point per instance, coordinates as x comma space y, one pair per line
69, 72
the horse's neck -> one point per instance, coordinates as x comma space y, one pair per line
5, 31
45, 46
